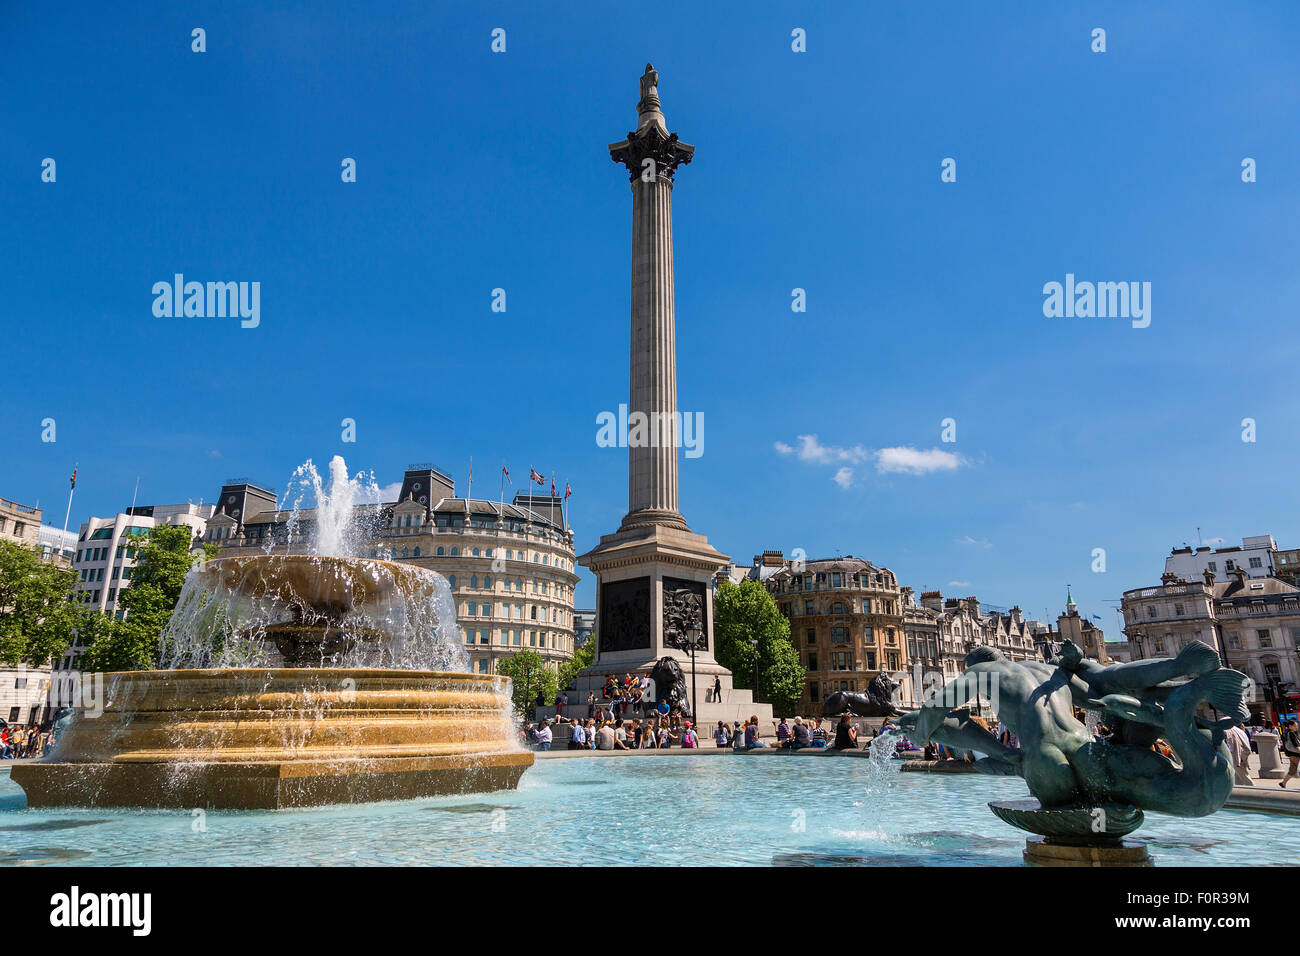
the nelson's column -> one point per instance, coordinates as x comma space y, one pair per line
654, 576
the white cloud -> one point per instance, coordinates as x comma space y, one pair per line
984, 543
958, 584
812, 450
916, 461
844, 477
1212, 541
389, 493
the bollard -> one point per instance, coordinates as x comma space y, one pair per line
1270, 765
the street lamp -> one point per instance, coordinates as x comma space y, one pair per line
753, 642
690, 639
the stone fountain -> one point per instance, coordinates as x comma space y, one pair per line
292, 680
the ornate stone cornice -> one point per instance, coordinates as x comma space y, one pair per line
667, 152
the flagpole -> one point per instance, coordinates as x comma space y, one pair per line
68, 513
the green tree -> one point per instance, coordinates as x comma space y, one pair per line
37, 615
582, 657
531, 676
163, 560
744, 614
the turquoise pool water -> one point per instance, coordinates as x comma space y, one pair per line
777, 809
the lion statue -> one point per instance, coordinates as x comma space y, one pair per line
670, 685
878, 701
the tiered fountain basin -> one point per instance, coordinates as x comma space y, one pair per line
337, 724
275, 738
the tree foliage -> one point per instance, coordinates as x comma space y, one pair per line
746, 613
530, 676
37, 615
582, 658
163, 560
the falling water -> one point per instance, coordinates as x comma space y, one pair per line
377, 613
346, 511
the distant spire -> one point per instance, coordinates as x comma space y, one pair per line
1069, 598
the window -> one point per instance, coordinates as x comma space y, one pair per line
1213, 566
441, 551
1151, 610
812, 637
1295, 637
1256, 563
839, 635
835, 579
812, 691
1234, 641
869, 635
808, 607
451, 579
866, 606
1178, 609
1265, 638
837, 608
840, 661
871, 660
812, 660
1228, 565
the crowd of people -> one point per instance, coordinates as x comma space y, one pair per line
17, 742
614, 733
665, 728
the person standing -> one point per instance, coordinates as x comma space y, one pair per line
1239, 748
544, 736
717, 689
720, 735
1290, 747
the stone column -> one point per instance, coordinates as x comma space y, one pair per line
652, 155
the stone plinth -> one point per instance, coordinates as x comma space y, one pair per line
1042, 851
1270, 761
281, 737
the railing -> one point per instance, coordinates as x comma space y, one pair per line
23, 509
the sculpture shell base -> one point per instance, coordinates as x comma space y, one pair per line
1043, 851
1100, 825
269, 739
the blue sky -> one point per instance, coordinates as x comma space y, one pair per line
817, 170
